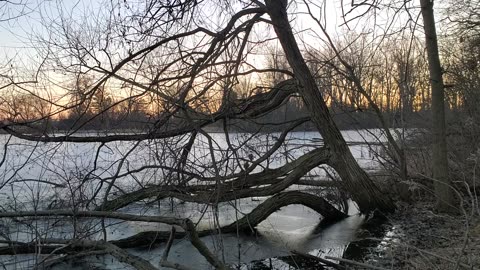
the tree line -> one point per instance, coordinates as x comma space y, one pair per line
394, 74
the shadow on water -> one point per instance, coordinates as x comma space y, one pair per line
286, 262
293, 228
370, 236
357, 239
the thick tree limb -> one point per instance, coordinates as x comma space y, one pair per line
93, 214
118, 253
163, 261
252, 107
169, 244
264, 210
248, 222
270, 180
261, 212
197, 243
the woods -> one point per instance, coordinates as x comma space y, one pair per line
139, 125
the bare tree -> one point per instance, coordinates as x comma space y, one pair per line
187, 65
344, 163
443, 189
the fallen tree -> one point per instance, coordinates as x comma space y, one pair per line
246, 224
188, 89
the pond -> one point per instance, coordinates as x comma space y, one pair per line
293, 228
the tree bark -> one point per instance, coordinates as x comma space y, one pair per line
260, 213
329, 215
443, 188
361, 188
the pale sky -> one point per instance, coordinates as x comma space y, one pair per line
15, 34
22, 19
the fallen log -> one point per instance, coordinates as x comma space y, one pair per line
319, 183
82, 245
246, 224
120, 254
84, 248
329, 213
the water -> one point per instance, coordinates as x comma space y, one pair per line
67, 165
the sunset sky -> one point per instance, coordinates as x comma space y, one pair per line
20, 47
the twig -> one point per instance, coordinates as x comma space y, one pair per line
50, 263
169, 244
200, 246
174, 265
322, 260
355, 263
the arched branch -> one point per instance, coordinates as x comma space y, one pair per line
329, 213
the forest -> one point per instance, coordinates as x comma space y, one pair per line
245, 134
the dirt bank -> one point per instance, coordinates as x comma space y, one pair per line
416, 237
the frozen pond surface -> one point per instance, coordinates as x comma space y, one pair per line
68, 164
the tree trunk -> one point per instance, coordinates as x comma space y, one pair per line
361, 188
443, 189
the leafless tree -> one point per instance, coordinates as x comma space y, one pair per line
186, 58
443, 189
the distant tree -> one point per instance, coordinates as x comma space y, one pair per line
10, 76
24, 108
80, 96
463, 19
